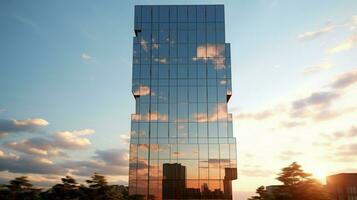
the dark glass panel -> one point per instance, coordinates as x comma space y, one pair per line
164, 36
192, 13
212, 94
219, 13
163, 129
210, 13
192, 94
146, 14
182, 13
182, 36
164, 14
173, 13
182, 50
202, 94
155, 13
182, 71
164, 50
192, 36
201, 71
182, 95
163, 71
201, 37
201, 13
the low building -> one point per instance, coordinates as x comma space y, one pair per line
343, 186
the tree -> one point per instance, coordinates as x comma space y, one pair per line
297, 185
67, 190
263, 195
19, 188
99, 189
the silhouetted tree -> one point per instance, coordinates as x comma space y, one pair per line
297, 185
68, 190
263, 195
19, 188
99, 189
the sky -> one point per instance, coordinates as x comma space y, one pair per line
65, 88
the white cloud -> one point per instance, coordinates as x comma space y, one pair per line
317, 33
319, 67
86, 56
73, 139
347, 44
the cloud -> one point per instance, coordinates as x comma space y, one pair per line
18, 164
254, 171
319, 67
289, 155
142, 91
317, 33
153, 116
261, 115
219, 113
316, 100
347, 152
291, 124
344, 80
54, 144
338, 135
212, 52
117, 157
108, 162
25, 125
73, 139
347, 44
36, 146
330, 114
86, 56
144, 44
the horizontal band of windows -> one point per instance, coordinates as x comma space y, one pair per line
228, 140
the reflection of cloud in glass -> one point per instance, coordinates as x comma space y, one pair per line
222, 82
142, 91
161, 60
153, 116
144, 44
220, 113
213, 52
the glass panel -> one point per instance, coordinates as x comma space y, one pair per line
191, 168
164, 151
187, 151
164, 14
213, 151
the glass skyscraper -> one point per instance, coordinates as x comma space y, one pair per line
182, 144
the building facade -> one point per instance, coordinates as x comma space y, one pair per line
182, 144
343, 186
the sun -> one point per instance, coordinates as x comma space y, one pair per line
320, 174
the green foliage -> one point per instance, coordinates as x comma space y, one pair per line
297, 185
98, 189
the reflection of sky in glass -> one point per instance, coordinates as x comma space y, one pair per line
182, 134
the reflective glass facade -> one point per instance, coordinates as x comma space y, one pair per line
182, 144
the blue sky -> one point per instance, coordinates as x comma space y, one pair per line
69, 63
